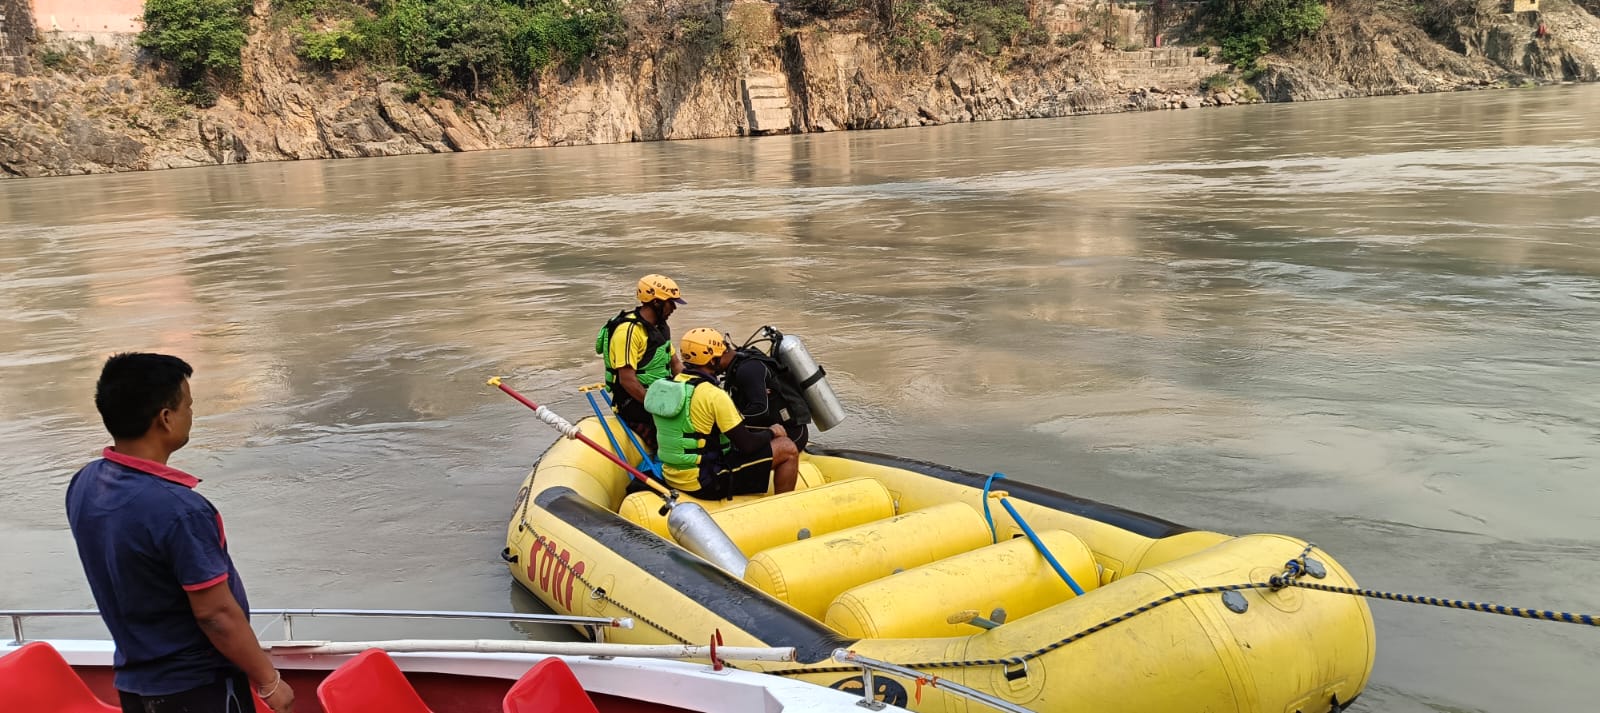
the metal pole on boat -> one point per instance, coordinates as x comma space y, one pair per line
689, 523
868, 665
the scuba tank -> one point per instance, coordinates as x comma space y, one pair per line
692, 527
811, 379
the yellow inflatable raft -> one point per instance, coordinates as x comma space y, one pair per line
894, 560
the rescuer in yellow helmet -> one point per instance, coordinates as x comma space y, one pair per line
705, 449
637, 348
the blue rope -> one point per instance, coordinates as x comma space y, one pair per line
993, 538
1006, 503
648, 463
1037, 543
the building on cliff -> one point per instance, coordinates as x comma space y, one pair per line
104, 21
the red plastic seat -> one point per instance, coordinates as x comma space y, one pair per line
35, 678
548, 687
369, 683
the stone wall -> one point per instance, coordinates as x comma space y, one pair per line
1164, 67
16, 29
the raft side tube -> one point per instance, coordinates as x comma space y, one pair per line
1135, 522
1010, 576
725, 597
808, 574
757, 525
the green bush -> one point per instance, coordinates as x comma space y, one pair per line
1217, 82
1243, 50
1071, 38
308, 8
333, 46
990, 24
1248, 29
826, 8
53, 58
200, 37
467, 43
564, 33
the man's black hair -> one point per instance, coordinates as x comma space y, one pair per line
134, 387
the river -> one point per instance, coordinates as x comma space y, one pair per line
1369, 323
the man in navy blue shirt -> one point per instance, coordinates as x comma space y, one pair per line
156, 555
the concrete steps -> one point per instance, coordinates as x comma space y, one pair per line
766, 102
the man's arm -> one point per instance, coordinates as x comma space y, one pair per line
629, 378
750, 381
225, 624
731, 422
627, 350
199, 561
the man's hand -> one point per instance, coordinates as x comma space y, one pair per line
224, 623
777, 430
282, 698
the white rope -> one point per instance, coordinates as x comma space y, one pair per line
557, 422
555, 648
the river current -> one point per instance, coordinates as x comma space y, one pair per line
1369, 323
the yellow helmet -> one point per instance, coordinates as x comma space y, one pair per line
658, 287
701, 345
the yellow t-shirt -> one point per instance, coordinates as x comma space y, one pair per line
710, 406
627, 346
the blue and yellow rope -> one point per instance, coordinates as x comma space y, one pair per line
1521, 612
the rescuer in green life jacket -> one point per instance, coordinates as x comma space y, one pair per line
637, 348
706, 450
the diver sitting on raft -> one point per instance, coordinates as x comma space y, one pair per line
706, 450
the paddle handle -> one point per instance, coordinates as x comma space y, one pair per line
570, 431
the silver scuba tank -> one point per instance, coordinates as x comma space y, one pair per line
693, 528
826, 411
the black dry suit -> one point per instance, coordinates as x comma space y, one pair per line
765, 390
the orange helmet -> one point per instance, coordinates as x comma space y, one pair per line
658, 287
702, 345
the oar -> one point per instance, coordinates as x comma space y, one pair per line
689, 523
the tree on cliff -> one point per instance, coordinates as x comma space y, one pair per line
1248, 29
200, 38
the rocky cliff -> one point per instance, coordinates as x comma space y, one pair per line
1364, 52
79, 108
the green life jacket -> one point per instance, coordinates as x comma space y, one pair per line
657, 363
678, 445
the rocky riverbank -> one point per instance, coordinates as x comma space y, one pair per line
72, 108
